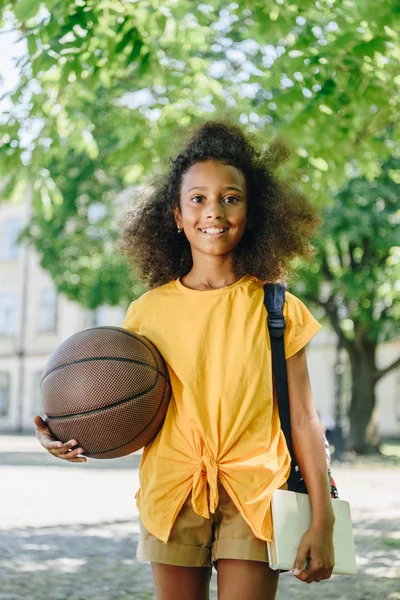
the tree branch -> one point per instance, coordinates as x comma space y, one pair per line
381, 373
366, 130
325, 266
331, 312
353, 263
366, 254
340, 253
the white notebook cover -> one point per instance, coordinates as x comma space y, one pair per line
291, 516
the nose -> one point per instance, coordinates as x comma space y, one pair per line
214, 210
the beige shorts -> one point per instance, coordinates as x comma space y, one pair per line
199, 542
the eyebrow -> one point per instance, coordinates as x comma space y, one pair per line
199, 187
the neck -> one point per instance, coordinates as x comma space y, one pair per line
210, 275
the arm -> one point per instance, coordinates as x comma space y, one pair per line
308, 446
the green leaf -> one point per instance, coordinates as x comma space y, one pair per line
32, 45
50, 4
134, 55
127, 38
319, 163
26, 9
144, 64
377, 44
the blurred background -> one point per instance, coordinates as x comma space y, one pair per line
95, 97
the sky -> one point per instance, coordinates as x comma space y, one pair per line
10, 50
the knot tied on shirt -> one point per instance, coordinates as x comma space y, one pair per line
205, 473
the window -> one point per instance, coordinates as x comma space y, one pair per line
4, 393
97, 317
47, 318
10, 249
8, 315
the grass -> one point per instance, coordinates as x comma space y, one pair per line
391, 449
389, 456
391, 543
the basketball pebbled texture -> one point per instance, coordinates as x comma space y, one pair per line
108, 388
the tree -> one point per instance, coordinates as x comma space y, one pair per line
106, 83
355, 279
76, 234
323, 73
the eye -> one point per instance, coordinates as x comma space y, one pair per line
228, 199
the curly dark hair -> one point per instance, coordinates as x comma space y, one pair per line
280, 219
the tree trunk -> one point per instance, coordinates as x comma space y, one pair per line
362, 437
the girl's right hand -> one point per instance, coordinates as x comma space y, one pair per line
54, 446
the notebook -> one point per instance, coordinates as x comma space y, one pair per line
291, 517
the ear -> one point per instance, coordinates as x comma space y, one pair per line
177, 216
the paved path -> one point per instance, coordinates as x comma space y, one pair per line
69, 532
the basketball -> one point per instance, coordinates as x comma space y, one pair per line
107, 388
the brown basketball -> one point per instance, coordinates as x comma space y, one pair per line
108, 389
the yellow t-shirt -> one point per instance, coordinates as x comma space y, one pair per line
222, 421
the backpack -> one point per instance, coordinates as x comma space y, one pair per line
274, 299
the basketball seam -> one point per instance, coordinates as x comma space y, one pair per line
124, 331
149, 345
166, 381
119, 358
105, 408
131, 334
160, 368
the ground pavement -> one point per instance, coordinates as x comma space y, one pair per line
69, 532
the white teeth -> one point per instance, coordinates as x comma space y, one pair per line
213, 230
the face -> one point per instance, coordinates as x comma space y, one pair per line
213, 208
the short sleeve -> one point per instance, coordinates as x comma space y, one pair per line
132, 318
301, 326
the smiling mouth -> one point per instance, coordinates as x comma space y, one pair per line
214, 231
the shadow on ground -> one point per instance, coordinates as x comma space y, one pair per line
44, 459
88, 562
73, 563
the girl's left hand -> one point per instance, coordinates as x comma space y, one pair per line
315, 557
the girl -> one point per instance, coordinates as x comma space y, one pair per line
217, 227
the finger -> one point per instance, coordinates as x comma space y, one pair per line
60, 447
71, 445
314, 577
327, 574
73, 454
65, 453
308, 578
304, 576
68, 454
79, 459
301, 562
312, 573
306, 572
53, 445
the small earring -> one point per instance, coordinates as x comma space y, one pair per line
180, 229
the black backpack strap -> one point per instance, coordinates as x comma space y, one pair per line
274, 299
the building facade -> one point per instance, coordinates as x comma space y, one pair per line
34, 320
